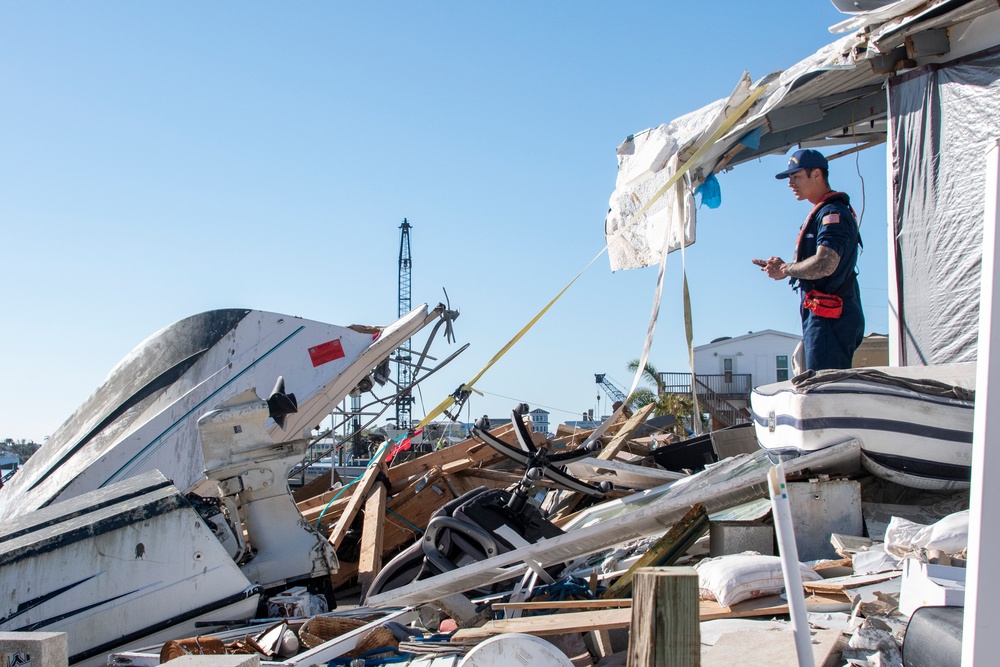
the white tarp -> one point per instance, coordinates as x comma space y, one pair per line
941, 119
645, 163
642, 220
640, 224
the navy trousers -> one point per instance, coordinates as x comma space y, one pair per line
830, 343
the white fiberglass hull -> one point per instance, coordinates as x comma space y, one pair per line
121, 567
912, 432
144, 416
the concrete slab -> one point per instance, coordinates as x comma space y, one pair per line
768, 647
46, 649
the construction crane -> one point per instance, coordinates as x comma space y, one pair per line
403, 373
613, 392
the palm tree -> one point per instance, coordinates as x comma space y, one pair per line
678, 406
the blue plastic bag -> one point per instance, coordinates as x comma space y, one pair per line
711, 193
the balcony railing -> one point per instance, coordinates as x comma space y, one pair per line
725, 385
714, 393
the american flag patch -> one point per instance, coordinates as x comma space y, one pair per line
831, 219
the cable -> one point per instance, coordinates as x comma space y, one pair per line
530, 402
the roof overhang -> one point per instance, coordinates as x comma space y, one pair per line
834, 97
837, 95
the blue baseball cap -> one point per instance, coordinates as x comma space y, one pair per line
804, 159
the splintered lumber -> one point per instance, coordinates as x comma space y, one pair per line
563, 604
665, 627
772, 605
571, 435
674, 543
370, 560
609, 452
405, 516
358, 497
312, 508
551, 624
317, 486
625, 432
469, 448
325, 506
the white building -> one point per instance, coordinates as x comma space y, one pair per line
764, 356
728, 368
539, 420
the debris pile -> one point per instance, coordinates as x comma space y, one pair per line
472, 570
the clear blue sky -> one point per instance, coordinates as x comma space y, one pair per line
163, 159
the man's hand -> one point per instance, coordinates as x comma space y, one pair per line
774, 267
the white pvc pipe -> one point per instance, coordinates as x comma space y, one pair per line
790, 565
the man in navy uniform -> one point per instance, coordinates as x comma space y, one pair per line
823, 269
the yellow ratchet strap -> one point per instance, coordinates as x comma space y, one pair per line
718, 134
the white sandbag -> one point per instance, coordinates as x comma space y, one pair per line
734, 578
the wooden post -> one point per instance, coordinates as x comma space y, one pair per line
665, 630
370, 561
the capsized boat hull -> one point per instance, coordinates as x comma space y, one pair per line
144, 415
911, 432
121, 567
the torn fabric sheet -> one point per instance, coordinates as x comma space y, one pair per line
634, 237
703, 142
645, 206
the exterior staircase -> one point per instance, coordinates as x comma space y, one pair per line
715, 394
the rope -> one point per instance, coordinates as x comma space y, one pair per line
416, 529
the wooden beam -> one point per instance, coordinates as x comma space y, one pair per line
553, 624
370, 560
772, 605
360, 495
563, 604
627, 430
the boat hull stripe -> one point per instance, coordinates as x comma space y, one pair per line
867, 424
157, 442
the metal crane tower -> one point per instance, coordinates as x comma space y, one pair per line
405, 400
613, 392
